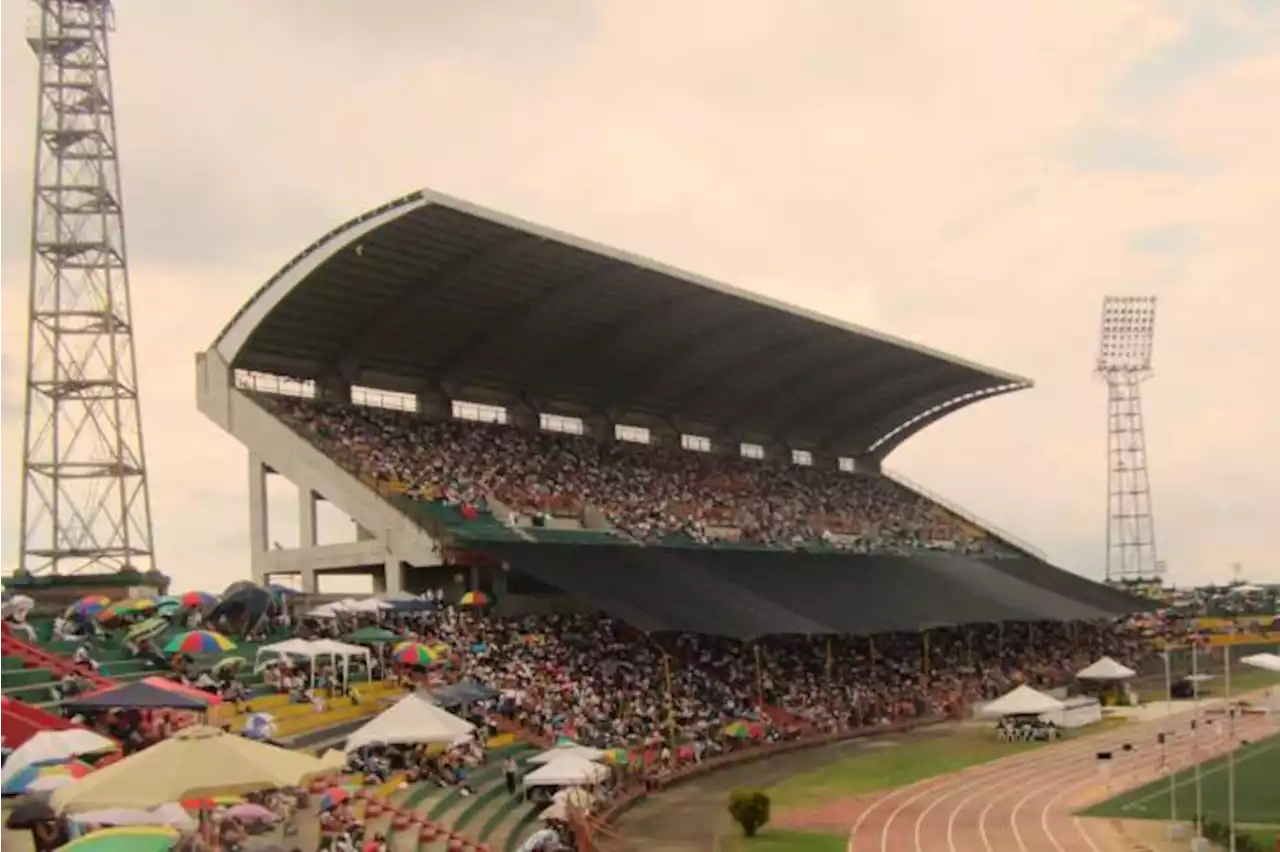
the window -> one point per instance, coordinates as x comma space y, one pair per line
697, 443
560, 423
631, 434
802, 457
272, 383
479, 412
751, 451
845, 464
378, 398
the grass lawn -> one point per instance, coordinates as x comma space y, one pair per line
779, 840
1243, 679
877, 767
1257, 768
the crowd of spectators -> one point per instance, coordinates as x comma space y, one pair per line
649, 492
684, 698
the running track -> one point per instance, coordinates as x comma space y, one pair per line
1025, 802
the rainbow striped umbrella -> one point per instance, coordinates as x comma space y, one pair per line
128, 606
42, 776
475, 599
617, 756
199, 642
90, 605
335, 796
416, 654
133, 838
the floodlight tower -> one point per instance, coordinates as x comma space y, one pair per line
85, 502
1124, 363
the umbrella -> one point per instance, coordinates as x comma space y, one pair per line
475, 599
249, 812
373, 634
416, 654
89, 605
196, 600
171, 815
737, 730
168, 605
199, 642
146, 629
39, 777
617, 756
132, 839
193, 763
30, 812
207, 803
127, 606
55, 747
227, 663
335, 796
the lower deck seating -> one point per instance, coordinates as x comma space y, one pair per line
482, 816
293, 719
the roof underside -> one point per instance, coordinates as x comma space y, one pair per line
433, 293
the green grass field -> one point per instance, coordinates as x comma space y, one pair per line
1257, 790
780, 840
878, 767
1243, 680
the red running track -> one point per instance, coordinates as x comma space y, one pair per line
1025, 802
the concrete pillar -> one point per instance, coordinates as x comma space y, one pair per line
433, 404
866, 464
334, 388
258, 526
392, 575
310, 584
307, 500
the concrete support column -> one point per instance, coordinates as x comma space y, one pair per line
392, 575
307, 500
310, 585
258, 526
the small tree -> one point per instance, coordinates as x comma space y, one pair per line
749, 809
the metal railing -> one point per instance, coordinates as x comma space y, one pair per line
956, 509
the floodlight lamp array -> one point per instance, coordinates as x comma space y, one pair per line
1128, 334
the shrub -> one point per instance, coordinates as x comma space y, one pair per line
749, 809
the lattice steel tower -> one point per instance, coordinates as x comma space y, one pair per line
1124, 363
85, 503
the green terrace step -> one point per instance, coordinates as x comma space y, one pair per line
506, 810
14, 663
26, 677
521, 830
560, 536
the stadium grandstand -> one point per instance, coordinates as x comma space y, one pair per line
503, 408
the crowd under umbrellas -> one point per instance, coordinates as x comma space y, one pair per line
161, 798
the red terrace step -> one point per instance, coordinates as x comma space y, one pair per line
22, 721
39, 658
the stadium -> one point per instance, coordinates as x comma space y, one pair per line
447, 311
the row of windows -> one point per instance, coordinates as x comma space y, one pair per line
479, 412
482, 413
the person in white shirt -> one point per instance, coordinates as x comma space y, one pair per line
544, 840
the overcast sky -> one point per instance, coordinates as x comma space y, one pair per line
975, 176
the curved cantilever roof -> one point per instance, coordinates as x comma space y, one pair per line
431, 292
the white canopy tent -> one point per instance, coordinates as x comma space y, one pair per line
1106, 669
329, 610
1023, 701
413, 719
311, 650
584, 752
369, 606
1265, 661
567, 771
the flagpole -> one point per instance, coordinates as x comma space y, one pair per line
1195, 740
1168, 709
1231, 748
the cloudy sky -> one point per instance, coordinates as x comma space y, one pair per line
972, 175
